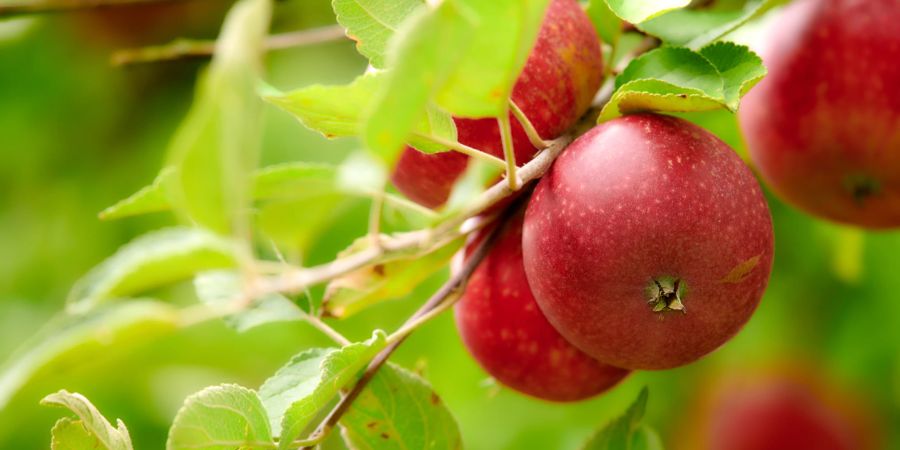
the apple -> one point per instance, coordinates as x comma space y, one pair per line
556, 86
505, 331
781, 411
648, 244
824, 126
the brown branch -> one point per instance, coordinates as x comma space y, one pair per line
446, 291
186, 48
59, 6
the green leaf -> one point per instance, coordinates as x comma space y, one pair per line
399, 410
739, 67
696, 28
71, 434
337, 111
372, 23
299, 391
607, 23
371, 285
482, 81
674, 79
219, 289
626, 432
217, 145
224, 417
149, 199
68, 341
152, 260
112, 438
637, 11
424, 52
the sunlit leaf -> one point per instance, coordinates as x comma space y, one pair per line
150, 199
675, 79
225, 417
299, 391
112, 438
425, 51
372, 23
481, 84
637, 11
154, 259
72, 434
696, 28
337, 111
607, 23
70, 340
219, 289
399, 410
216, 147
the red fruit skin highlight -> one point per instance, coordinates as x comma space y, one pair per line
505, 331
556, 86
639, 198
823, 126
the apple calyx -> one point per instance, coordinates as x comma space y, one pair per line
665, 295
861, 187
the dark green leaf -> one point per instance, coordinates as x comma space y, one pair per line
399, 410
607, 23
739, 67
300, 390
626, 432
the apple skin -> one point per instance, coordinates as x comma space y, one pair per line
824, 126
642, 198
556, 86
505, 331
150, 23
781, 411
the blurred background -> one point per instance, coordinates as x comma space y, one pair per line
77, 135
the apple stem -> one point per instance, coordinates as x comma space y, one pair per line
464, 149
533, 136
509, 151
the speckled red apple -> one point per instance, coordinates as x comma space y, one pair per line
555, 88
781, 412
504, 329
649, 243
824, 126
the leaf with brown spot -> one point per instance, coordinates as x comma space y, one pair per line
741, 271
399, 410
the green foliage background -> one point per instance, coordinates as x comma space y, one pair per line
76, 135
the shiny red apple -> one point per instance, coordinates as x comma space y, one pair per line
504, 329
560, 78
648, 244
824, 126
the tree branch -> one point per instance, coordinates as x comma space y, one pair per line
186, 48
446, 293
56, 6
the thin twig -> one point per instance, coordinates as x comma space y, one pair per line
187, 48
299, 279
533, 136
463, 148
452, 287
9, 9
333, 334
509, 151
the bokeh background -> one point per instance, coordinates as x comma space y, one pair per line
77, 134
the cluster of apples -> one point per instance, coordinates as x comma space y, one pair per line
648, 244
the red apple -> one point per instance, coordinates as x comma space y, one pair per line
780, 412
502, 327
648, 244
824, 126
555, 88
